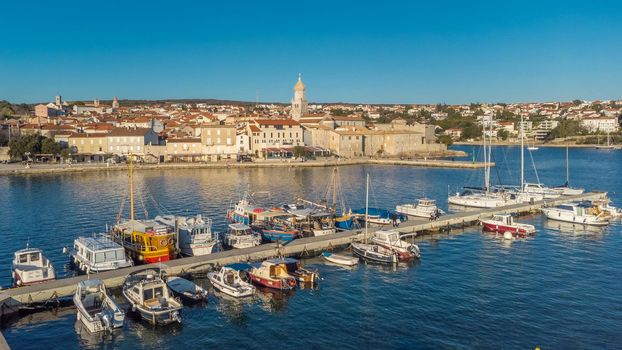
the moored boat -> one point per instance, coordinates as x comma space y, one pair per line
375, 253
30, 266
576, 214
241, 236
296, 269
425, 208
186, 290
145, 241
275, 226
340, 259
390, 239
194, 233
98, 253
272, 275
227, 280
604, 206
502, 223
151, 299
96, 310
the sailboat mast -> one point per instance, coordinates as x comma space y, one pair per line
567, 170
522, 155
485, 156
131, 189
366, 206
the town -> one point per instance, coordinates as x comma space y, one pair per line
187, 131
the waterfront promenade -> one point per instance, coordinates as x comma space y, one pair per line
20, 169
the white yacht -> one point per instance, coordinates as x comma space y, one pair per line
195, 233
30, 266
151, 299
241, 236
98, 253
227, 280
425, 208
574, 213
96, 310
540, 189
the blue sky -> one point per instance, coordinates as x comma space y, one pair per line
350, 51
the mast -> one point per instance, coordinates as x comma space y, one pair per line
522, 155
366, 206
567, 165
485, 156
131, 190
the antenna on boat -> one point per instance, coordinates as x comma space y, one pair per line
131, 189
28, 243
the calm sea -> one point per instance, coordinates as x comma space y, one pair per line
560, 289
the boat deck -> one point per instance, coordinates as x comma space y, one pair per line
66, 286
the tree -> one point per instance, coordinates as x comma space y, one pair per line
6, 110
566, 128
49, 146
577, 102
503, 134
300, 152
446, 140
33, 144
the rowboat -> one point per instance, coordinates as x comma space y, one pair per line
228, 281
187, 290
340, 259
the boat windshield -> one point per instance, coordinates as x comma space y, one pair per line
151, 293
34, 257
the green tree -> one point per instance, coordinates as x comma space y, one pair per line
33, 144
577, 102
6, 109
566, 128
445, 139
503, 134
300, 152
49, 146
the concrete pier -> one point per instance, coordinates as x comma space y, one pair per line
51, 290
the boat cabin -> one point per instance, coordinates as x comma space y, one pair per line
506, 219
425, 202
239, 229
150, 292
99, 253
30, 257
388, 236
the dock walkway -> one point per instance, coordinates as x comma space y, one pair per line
39, 293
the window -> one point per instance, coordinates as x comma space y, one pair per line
23, 259
158, 291
100, 257
148, 294
138, 148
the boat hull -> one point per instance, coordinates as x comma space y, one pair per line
501, 228
340, 259
274, 283
570, 218
368, 255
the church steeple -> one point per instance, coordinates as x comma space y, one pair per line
299, 102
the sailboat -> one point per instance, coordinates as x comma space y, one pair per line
608, 145
533, 145
484, 197
565, 189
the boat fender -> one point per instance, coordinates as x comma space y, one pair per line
162, 242
170, 241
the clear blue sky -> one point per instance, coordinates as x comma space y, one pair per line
351, 51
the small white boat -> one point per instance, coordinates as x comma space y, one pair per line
151, 299
390, 239
228, 281
425, 208
96, 310
340, 259
604, 206
504, 223
98, 253
195, 233
540, 189
241, 236
574, 213
375, 253
30, 266
187, 290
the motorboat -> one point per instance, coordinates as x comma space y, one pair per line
228, 281
273, 275
241, 236
576, 214
97, 254
30, 266
484, 199
375, 253
96, 310
151, 299
390, 239
604, 206
193, 233
425, 208
296, 269
187, 290
340, 259
502, 223
379, 216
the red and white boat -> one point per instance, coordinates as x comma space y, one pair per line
272, 274
503, 223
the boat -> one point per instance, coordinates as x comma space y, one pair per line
533, 146
244, 210
314, 220
30, 266
228, 281
486, 197
96, 310
97, 254
272, 275
275, 226
390, 239
375, 253
340, 259
565, 189
145, 241
151, 299
379, 216
608, 146
604, 206
296, 269
502, 223
241, 236
194, 234
540, 189
425, 208
186, 290
574, 213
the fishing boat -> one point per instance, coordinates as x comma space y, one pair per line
194, 234
186, 290
145, 241
390, 239
272, 275
502, 223
575, 213
151, 299
425, 208
96, 310
241, 236
340, 259
313, 220
98, 253
375, 253
275, 226
379, 216
228, 281
244, 210
30, 266
296, 269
